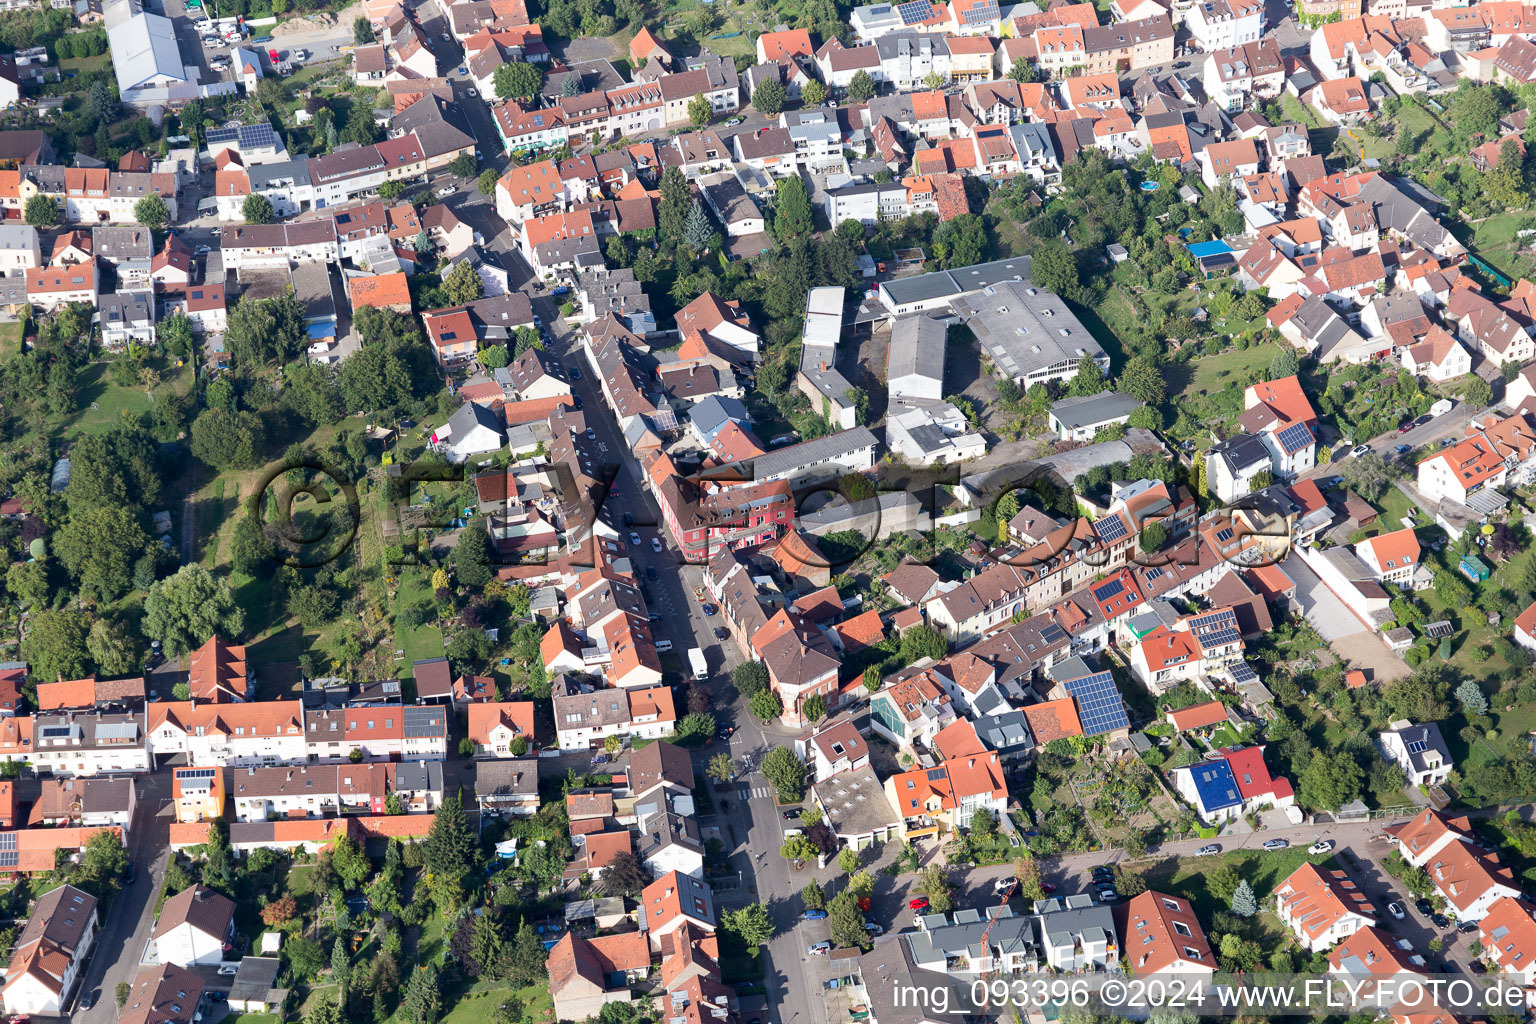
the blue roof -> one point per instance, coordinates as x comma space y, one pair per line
1215, 785
323, 329
1200, 250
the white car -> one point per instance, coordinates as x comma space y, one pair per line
1003, 885
733, 122
656, 544
450, 190
634, 538
1321, 846
1397, 911
819, 948
227, 969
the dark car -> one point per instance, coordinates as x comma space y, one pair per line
1422, 420
1405, 427
1440, 920
720, 633
1477, 967
1403, 449
650, 572
130, 873
709, 611
1425, 907
791, 815
1103, 871
575, 373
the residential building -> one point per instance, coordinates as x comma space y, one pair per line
1322, 906
56, 941
194, 927
1419, 750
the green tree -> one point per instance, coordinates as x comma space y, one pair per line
527, 963
751, 925
861, 87
1053, 268
450, 845
845, 922
55, 644
188, 607
103, 862
486, 185
462, 284
517, 81
768, 98
1023, 70
814, 707
1222, 883
722, 768
749, 677
1142, 380
124, 990
934, 883
257, 209
227, 439
1154, 537
813, 93
699, 111
1505, 184
341, 964
813, 896
1243, 902
1330, 781
697, 229
98, 545
792, 217
1478, 393
1285, 364
41, 212
672, 211
474, 556
362, 32
1473, 700
848, 860
766, 705
1089, 379
786, 773
113, 647
1027, 871
921, 642
423, 994
151, 212
464, 166
487, 948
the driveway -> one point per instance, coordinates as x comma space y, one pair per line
1328, 615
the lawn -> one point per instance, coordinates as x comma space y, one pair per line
423, 641
479, 1005
82, 65
1263, 869
102, 402
1214, 374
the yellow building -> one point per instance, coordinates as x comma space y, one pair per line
198, 794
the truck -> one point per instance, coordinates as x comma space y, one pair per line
697, 664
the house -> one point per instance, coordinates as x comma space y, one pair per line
1391, 557
165, 994
193, 928
198, 794
1470, 879
1080, 418
1161, 934
660, 766
253, 989
587, 974
305, 791
56, 941
1077, 933
1224, 24
217, 672
89, 803
1211, 789
1419, 750
832, 749
1440, 357
1225, 161
1374, 953
1427, 834
508, 787
1508, 936
672, 902
472, 430
1234, 464
1492, 454
1322, 906
1525, 627
1341, 102
494, 727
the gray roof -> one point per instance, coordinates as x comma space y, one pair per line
1421, 741
419, 776
1025, 330
144, 47
1089, 410
124, 308
1031, 138
467, 417
1062, 922
425, 722
782, 462
1005, 732
854, 803
667, 829
255, 978
955, 283
1241, 452
84, 731
933, 946
917, 348
517, 776
61, 918
118, 244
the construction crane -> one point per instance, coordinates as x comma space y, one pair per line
1007, 894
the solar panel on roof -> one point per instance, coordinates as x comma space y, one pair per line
914, 11
1417, 746
1224, 534
1052, 634
1108, 590
1111, 528
1099, 706
1295, 436
215, 135
936, 774
1220, 637
1153, 573
196, 773
1243, 672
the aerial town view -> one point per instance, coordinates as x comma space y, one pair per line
766, 511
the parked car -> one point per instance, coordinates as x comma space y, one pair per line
634, 538
1321, 846
1003, 884
599, 758
819, 948
1209, 850
814, 915
1108, 896
1424, 907
655, 544
89, 1000
709, 611
792, 815
228, 968
1396, 910
130, 873
591, 434
262, 39
1103, 871
1440, 920
575, 372
873, 929
721, 633
918, 903
650, 572
1405, 427
1360, 449
1277, 844
733, 122
1402, 449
